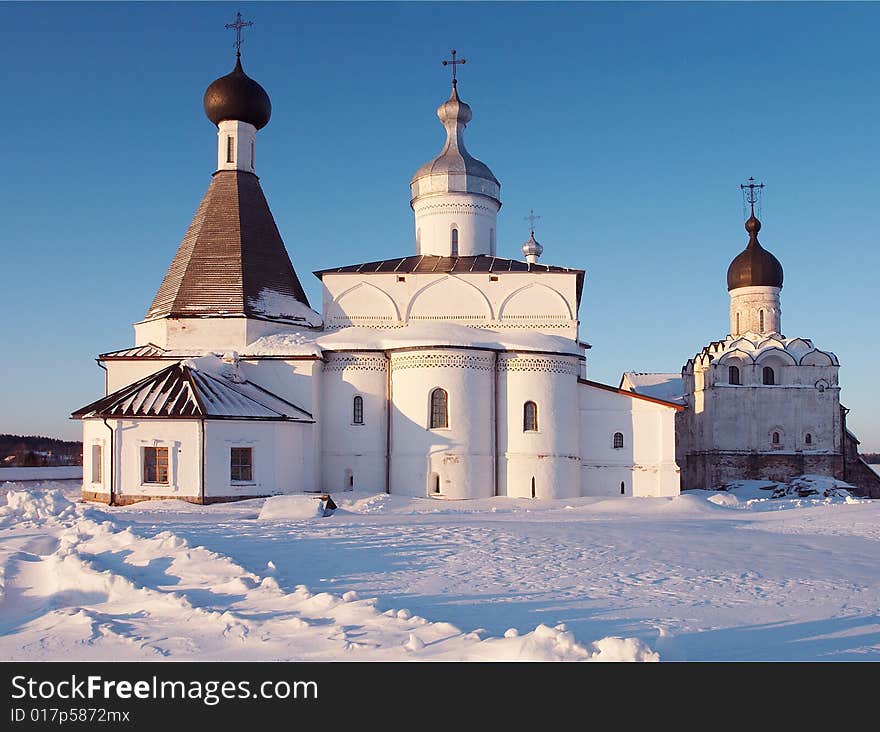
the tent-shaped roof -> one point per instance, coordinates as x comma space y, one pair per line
232, 260
184, 390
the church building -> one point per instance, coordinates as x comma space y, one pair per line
760, 405
443, 370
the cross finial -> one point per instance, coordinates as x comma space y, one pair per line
531, 218
238, 25
454, 62
751, 193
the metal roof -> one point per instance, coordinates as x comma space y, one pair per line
149, 351
182, 391
422, 263
231, 253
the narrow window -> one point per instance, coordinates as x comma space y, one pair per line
439, 409
96, 463
492, 242
808, 438
733, 375
761, 320
252, 154
418, 241
622, 488
775, 438
533, 486
769, 376
241, 464
349, 479
737, 324
435, 483
618, 440
455, 242
230, 149
155, 465
530, 417
358, 410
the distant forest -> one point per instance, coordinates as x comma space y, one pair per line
24, 451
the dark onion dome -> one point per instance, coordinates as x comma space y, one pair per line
237, 96
754, 266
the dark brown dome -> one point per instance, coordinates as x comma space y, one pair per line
237, 96
754, 266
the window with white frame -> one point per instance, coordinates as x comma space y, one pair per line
439, 409
155, 464
357, 416
530, 417
97, 463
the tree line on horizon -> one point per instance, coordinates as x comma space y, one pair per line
29, 451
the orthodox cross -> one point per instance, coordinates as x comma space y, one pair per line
531, 218
751, 193
454, 62
238, 25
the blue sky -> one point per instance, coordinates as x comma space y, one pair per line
627, 127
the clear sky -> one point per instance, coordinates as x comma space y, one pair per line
627, 127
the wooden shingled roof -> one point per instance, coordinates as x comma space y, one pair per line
181, 391
232, 251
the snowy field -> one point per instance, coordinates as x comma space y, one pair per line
705, 576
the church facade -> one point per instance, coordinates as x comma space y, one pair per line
759, 405
447, 371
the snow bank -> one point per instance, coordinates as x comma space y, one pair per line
292, 508
801, 491
26, 504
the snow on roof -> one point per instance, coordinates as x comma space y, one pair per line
411, 336
753, 346
659, 385
202, 387
280, 306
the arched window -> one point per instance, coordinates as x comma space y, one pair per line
530, 417
439, 409
357, 416
618, 440
733, 375
769, 376
775, 438
622, 488
761, 320
455, 242
737, 324
533, 486
808, 438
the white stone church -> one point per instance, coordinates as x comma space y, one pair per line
445, 371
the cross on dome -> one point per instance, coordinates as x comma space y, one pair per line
531, 218
238, 25
454, 62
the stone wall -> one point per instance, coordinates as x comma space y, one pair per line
714, 469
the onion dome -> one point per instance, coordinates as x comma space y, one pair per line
531, 248
754, 266
236, 96
455, 169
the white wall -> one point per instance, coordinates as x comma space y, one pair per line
353, 455
645, 464
181, 437
437, 214
748, 303
545, 302
281, 457
552, 454
214, 334
462, 454
244, 137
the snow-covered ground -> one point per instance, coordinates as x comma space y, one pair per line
705, 576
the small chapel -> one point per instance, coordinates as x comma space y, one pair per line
443, 370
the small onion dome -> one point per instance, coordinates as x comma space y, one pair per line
237, 96
754, 266
455, 169
531, 248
